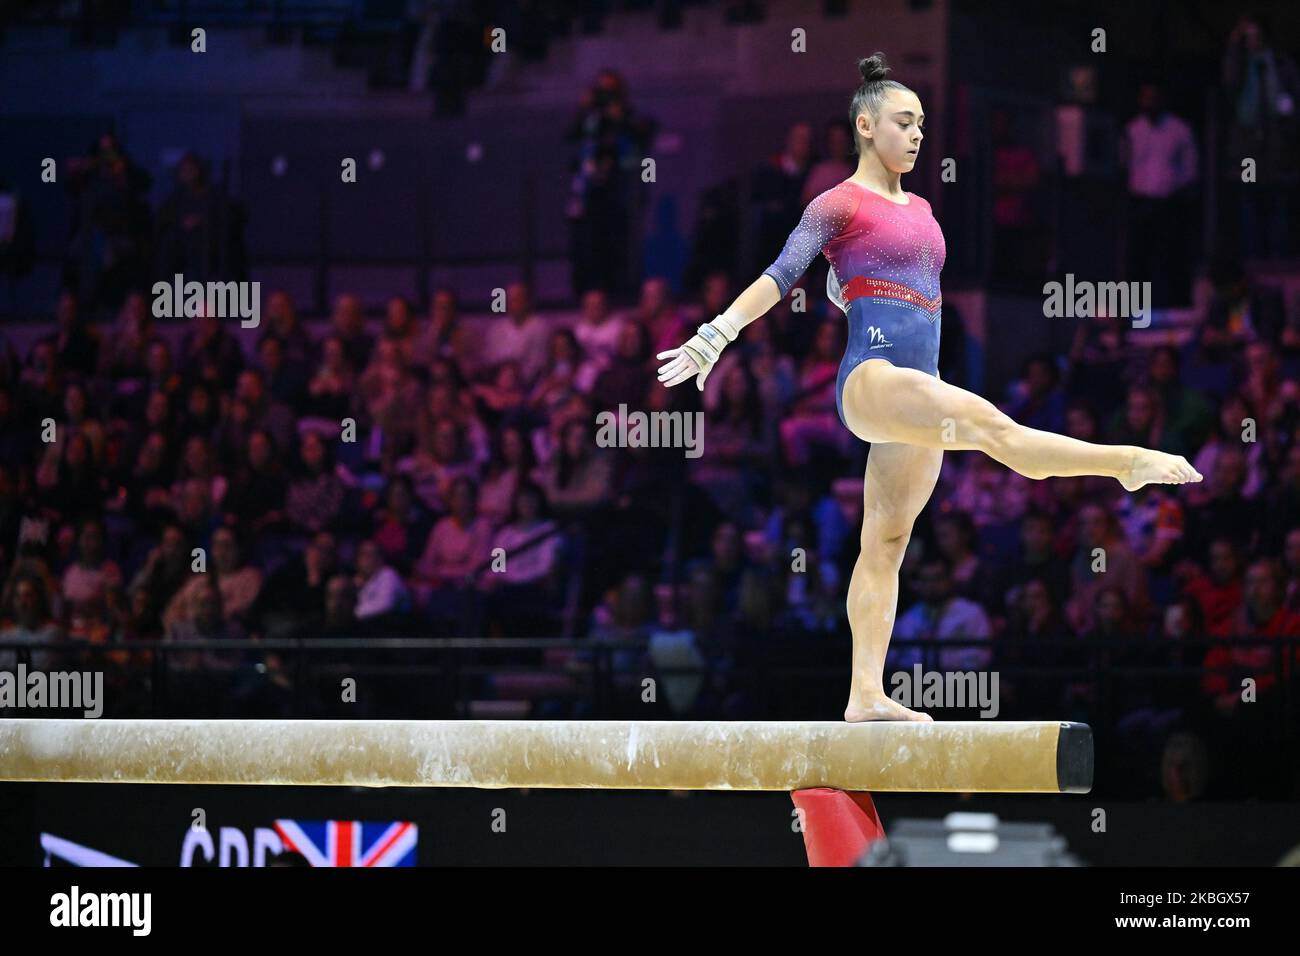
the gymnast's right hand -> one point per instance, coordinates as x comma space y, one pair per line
699, 354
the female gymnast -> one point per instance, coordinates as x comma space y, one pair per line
885, 251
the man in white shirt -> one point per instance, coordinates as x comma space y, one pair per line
519, 336
1162, 159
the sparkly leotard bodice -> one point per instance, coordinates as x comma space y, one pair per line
885, 260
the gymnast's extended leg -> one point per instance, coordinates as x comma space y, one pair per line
883, 402
898, 483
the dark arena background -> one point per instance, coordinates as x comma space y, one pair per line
367, 480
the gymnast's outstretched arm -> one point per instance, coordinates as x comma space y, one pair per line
822, 218
689, 359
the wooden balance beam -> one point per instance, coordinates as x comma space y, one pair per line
952, 756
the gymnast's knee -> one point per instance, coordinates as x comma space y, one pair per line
884, 544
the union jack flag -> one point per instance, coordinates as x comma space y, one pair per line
350, 842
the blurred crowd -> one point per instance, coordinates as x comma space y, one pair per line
355, 480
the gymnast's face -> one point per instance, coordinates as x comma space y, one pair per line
895, 134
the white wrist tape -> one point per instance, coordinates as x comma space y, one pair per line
710, 339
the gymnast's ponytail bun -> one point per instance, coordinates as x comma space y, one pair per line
873, 68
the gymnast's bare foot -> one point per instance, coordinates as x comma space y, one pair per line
877, 706
1157, 467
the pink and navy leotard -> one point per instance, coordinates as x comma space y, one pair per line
885, 262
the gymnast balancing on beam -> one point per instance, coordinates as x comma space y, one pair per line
886, 251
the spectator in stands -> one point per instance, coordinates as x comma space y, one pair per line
1188, 417
75, 342
598, 330
1019, 207
443, 336
1100, 539
458, 547
1152, 521
805, 577
778, 191
161, 374
939, 614
813, 419
626, 615
112, 225
163, 574
1263, 387
1160, 153
1039, 401
199, 463
568, 368
836, 165
957, 543
991, 493
339, 618
1140, 421
1182, 628
239, 583
523, 586
331, 390
388, 389
740, 448
350, 329
1228, 512
256, 496
73, 485
433, 471
611, 138
1261, 615
282, 324
284, 382
1219, 591
1098, 356
519, 336
1263, 88
381, 593
27, 620
196, 512
579, 477
399, 327
1036, 559
1236, 423
504, 397
199, 227
629, 375
400, 525
204, 617
512, 464
1036, 635
122, 354
314, 500
201, 415
87, 581
1241, 310
294, 595
209, 352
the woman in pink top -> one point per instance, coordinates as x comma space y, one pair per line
886, 252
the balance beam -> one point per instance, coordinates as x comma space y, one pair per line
954, 756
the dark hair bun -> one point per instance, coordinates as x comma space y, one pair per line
873, 68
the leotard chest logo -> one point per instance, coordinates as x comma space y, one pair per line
877, 338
